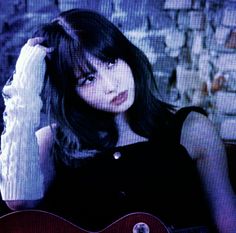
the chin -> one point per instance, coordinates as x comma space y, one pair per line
122, 108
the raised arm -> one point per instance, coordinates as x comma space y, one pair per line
21, 175
45, 141
203, 143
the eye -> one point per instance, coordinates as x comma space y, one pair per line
86, 80
111, 63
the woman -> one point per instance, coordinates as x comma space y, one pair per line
106, 120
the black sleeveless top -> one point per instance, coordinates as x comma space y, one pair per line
158, 178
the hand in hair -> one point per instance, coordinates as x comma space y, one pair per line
30, 68
36, 41
22, 117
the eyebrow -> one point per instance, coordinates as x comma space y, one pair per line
90, 70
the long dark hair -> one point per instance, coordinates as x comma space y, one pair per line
72, 34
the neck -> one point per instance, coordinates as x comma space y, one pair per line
126, 135
122, 122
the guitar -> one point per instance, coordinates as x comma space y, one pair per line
37, 221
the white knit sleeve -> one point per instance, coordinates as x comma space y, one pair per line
21, 176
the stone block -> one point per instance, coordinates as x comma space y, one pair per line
199, 98
229, 17
173, 14
149, 51
178, 5
218, 83
151, 55
213, 5
136, 34
183, 20
165, 65
209, 30
226, 62
228, 129
189, 38
230, 83
185, 56
173, 97
173, 52
160, 19
225, 102
157, 42
198, 4
197, 45
196, 20
141, 39
175, 39
221, 34
205, 67
216, 48
187, 79
164, 87
231, 41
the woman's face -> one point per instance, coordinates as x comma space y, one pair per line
110, 87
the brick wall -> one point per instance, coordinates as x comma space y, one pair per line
190, 43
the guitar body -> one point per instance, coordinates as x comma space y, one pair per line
36, 221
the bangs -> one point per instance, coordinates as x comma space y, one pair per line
104, 51
101, 50
102, 41
77, 34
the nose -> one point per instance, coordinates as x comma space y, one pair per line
110, 85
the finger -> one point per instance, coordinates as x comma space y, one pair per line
47, 50
34, 41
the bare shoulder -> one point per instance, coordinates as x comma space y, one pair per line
45, 132
200, 136
45, 141
45, 137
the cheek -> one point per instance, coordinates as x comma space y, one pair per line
128, 79
90, 96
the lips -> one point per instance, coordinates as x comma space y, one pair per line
120, 98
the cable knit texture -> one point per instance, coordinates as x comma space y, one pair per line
21, 176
